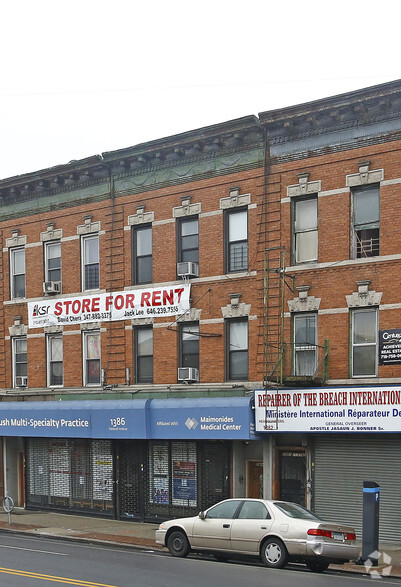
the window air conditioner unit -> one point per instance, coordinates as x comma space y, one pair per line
21, 381
51, 287
188, 374
188, 269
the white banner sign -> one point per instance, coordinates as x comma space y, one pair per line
340, 409
103, 307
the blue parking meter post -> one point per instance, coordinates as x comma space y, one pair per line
370, 522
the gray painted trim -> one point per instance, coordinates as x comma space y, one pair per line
330, 311
344, 263
390, 181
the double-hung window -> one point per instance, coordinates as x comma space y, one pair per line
366, 221
143, 354
92, 372
53, 261
20, 361
188, 240
142, 246
189, 345
237, 338
236, 240
305, 344
305, 232
364, 342
90, 262
54, 360
17, 262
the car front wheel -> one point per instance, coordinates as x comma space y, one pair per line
274, 553
178, 544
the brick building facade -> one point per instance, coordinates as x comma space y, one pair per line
162, 217
156, 195
334, 185
284, 227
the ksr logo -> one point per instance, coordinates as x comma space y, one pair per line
40, 310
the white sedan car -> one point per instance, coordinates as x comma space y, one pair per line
275, 531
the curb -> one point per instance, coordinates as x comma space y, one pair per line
122, 541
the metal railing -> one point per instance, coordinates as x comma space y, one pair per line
367, 247
302, 363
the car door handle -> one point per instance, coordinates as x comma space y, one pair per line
226, 525
263, 527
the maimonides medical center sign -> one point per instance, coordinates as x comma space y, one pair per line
122, 305
339, 409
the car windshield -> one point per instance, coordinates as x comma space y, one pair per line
293, 510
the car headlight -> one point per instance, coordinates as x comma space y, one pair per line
161, 526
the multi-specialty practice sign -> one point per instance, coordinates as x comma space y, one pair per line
339, 409
75, 419
121, 305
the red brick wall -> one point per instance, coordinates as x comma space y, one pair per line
334, 282
116, 273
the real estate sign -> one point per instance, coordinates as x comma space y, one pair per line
390, 346
103, 307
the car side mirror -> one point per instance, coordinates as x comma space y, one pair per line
202, 515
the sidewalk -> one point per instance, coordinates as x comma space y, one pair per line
102, 530
80, 527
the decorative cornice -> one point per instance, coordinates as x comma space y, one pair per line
203, 144
353, 109
34, 190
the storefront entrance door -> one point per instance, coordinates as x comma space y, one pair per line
130, 475
254, 479
292, 476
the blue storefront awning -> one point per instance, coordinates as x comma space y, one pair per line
187, 418
75, 419
217, 418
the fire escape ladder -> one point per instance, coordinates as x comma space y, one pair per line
274, 284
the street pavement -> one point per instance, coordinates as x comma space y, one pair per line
137, 534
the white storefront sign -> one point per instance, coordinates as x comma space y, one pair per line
339, 409
103, 307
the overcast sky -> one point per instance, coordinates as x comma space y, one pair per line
86, 76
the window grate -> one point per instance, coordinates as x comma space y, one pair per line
70, 474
